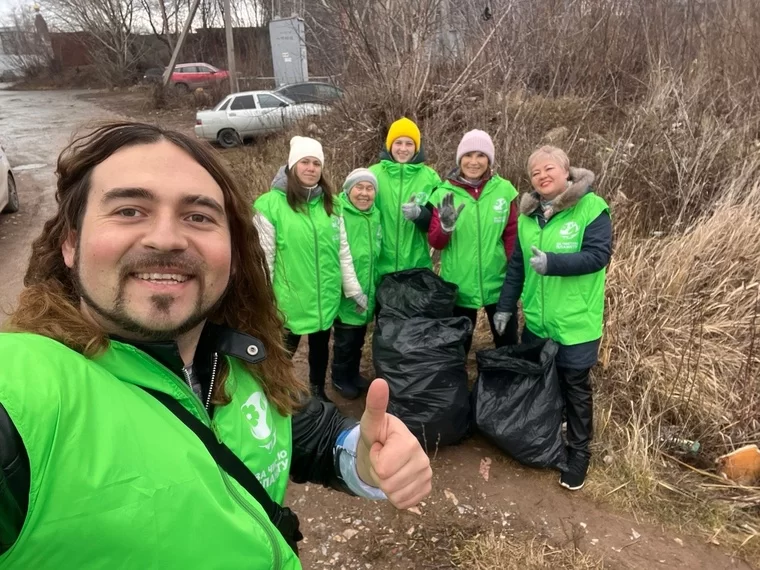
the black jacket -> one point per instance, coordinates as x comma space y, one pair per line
595, 254
315, 429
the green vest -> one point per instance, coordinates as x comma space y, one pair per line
118, 482
404, 245
365, 239
307, 276
475, 258
569, 310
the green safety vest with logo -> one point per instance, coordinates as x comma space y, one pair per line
307, 277
405, 246
474, 258
568, 310
118, 482
365, 239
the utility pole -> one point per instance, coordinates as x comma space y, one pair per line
230, 47
448, 40
183, 35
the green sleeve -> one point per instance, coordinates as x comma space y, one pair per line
263, 205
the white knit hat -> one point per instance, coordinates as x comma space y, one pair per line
359, 175
301, 147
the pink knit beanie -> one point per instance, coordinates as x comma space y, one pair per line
476, 141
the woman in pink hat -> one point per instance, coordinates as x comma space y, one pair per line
474, 224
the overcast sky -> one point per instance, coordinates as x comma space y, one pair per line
7, 5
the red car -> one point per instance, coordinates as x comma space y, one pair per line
190, 76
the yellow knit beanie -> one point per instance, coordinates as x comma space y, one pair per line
403, 128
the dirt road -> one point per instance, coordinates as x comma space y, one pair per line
34, 127
515, 503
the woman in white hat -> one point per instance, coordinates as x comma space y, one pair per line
302, 233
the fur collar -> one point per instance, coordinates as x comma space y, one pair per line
581, 181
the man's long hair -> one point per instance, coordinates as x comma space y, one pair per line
49, 304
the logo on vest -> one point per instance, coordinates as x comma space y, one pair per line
336, 228
256, 412
421, 198
501, 205
570, 230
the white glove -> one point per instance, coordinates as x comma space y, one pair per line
539, 261
362, 302
500, 320
411, 210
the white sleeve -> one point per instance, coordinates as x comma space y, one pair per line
345, 449
351, 286
267, 239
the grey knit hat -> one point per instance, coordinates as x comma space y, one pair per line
359, 175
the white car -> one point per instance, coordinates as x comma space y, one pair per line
8, 192
252, 113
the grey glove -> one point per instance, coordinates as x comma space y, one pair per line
500, 320
411, 210
539, 262
447, 214
362, 302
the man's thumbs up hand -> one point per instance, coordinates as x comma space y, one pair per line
388, 455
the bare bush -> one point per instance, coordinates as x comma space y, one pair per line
28, 44
108, 26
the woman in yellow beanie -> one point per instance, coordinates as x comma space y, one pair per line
405, 183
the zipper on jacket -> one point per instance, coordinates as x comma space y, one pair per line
213, 378
480, 253
541, 281
186, 374
264, 522
371, 279
316, 265
401, 219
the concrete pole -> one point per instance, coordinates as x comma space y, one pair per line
230, 47
182, 36
445, 29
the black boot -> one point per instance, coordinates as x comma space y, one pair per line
574, 477
362, 383
347, 353
319, 355
318, 392
576, 391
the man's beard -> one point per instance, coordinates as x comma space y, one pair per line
119, 315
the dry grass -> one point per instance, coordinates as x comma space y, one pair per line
492, 551
680, 360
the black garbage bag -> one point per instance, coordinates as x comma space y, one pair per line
416, 293
424, 363
517, 403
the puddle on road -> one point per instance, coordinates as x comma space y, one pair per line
24, 167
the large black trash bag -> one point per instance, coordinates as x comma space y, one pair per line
416, 293
518, 403
424, 363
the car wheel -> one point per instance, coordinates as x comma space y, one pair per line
182, 87
228, 138
13, 203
